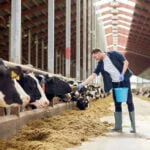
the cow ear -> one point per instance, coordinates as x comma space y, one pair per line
15, 72
14, 75
46, 76
16, 69
49, 80
3, 69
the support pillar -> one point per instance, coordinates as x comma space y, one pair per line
15, 54
84, 39
50, 62
78, 3
89, 36
60, 62
43, 54
68, 37
29, 47
36, 51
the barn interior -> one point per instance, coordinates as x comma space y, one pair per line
122, 25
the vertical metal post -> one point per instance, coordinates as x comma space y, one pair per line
93, 34
42, 54
102, 39
51, 8
15, 54
137, 85
84, 39
97, 35
29, 47
9, 26
60, 62
56, 65
95, 22
68, 36
78, 39
95, 40
63, 63
36, 49
89, 36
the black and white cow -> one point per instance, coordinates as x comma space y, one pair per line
54, 87
81, 98
32, 87
11, 93
82, 103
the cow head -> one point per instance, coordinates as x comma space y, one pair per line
32, 87
56, 87
29, 84
9, 93
82, 103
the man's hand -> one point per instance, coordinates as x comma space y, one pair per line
121, 77
80, 86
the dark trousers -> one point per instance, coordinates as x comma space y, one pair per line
118, 107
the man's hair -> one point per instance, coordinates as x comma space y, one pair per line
96, 50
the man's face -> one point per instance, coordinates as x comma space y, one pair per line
97, 56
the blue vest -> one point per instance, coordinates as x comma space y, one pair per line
117, 60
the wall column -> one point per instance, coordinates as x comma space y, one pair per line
42, 54
36, 51
50, 61
15, 53
68, 37
56, 62
89, 36
29, 47
78, 39
84, 39
60, 62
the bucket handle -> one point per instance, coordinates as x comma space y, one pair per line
119, 84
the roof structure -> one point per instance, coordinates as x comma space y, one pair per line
126, 24
127, 29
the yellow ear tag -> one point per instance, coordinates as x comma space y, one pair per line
14, 75
18, 77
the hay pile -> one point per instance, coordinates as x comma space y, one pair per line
62, 131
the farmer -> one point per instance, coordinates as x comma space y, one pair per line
114, 68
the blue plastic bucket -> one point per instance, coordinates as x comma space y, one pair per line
121, 94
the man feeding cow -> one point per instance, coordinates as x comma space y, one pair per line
114, 68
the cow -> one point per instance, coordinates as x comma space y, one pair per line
86, 94
54, 87
11, 94
143, 91
31, 86
81, 98
82, 103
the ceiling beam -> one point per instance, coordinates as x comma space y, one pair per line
143, 3
137, 40
141, 30
144, 13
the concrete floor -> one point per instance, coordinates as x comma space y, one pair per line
125, 140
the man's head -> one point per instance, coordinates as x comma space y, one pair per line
97, 54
